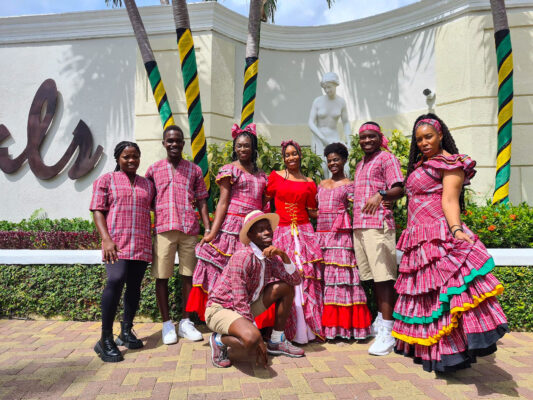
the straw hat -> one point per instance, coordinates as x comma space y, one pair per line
252, 218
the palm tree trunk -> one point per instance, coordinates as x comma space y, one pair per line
191, 85
504, 56
150, 64
252, 62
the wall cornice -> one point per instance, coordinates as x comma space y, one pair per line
211, 16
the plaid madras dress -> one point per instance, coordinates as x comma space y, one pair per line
246, 195
127, 213
346, 313
295, 235
447, 312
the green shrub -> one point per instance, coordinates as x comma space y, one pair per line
74, 292
71, 292
49, 225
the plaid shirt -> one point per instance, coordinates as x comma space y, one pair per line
241, 280
176, 193
127, 213
379, 171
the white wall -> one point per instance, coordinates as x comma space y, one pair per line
384, 62
95, 80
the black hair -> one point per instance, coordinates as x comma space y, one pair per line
119, 148
172, 128
338, 148
253, 140
448, 144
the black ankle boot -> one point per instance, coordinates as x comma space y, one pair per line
127, 338
107, 349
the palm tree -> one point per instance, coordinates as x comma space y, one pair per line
191, 85
504, 57
149, 62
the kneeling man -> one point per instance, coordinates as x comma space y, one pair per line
242, 292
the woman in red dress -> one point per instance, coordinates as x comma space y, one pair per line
295, 201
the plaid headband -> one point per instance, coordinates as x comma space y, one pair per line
429, 121
369, 127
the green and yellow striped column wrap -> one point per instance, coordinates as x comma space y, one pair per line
192, 96
160, 95
250, 88
504, 55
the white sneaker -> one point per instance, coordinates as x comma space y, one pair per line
383, 344
187, 330
376, 325
169, 333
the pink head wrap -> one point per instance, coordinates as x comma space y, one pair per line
430, 121
291, 142
236, 130
375, 128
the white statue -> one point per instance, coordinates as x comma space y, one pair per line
325, 113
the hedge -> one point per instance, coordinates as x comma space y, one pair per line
73, 292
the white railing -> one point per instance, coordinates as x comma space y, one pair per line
502, 257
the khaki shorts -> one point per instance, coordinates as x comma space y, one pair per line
375, 251
165, 246
219, 319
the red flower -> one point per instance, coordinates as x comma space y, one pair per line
492, 228
483, 217
496, 214
512, 216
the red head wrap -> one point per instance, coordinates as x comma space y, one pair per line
291, 142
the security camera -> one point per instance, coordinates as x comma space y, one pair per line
429, 94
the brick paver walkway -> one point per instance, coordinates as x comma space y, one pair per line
55, 360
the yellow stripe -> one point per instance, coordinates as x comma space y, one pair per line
169, 122
456, 313
201, 287
207, 182
199, 142
251, 71
159, 92
345, 305
249, 109
501, 193
341, 265
192, 92
504, 156
220, 251
506, 69
505, 114
184, 45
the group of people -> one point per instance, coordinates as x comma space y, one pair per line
257, 272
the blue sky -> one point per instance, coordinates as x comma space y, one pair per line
289, 12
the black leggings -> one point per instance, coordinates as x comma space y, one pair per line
131, 273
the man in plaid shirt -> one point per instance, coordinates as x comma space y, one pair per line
179, 187
242, 292
378, 177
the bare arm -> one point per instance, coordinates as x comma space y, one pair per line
346, 125
204, 213
312, 121
109, 247
372, 204
220, 212
452, 184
